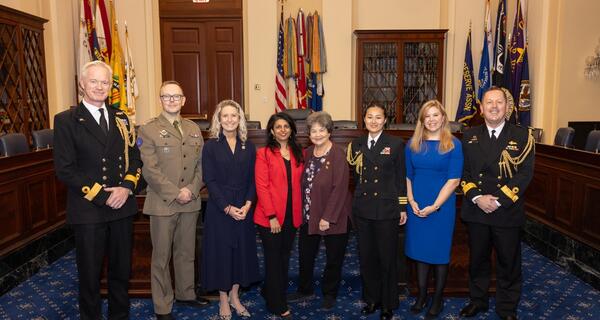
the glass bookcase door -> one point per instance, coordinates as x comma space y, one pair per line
380, 76
420, 76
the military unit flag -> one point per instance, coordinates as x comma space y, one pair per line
467, 101
99, 40
499, 45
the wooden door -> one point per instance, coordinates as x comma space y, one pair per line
205, 56
184, 54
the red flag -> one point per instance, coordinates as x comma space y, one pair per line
301, 79
280, 85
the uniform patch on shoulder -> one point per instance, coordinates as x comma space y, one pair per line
139, 142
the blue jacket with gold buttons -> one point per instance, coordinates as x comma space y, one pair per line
379, 176
86, 160
503, 169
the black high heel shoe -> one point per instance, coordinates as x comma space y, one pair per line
435, 309
419, 305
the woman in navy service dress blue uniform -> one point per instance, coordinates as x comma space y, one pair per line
379, 208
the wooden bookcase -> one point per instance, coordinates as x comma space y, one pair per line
400, 70
23, 90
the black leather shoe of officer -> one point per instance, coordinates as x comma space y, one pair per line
369, 308
471, 310
511, 317
167, 316
386, 314
199, 302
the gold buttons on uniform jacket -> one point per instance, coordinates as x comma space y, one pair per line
499, 177
120, 158
478, 182
120, 175
498, 186
103, 168
120, 167
103, 160
481, 174
365, 181
375, 168
364, 193
376, 181
375, 194
104, 178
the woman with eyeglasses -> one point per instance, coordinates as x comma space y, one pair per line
229, 244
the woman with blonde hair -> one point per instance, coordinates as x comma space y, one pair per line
229, 242
434, 163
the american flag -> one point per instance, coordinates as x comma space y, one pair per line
280, 85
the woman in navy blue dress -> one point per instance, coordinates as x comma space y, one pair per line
229, 243
434, 163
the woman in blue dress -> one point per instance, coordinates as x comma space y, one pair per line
229, 243
434, 163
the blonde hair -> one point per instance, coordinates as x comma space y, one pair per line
420, 134
215, 125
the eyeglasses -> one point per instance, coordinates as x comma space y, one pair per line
95, 82
175, 97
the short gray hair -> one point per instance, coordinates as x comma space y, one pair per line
321, 118
95, 63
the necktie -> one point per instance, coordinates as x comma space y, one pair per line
372, 144
102, 122
493, 137
176, 125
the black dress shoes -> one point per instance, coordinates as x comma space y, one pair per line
328, 303
471, 310
419, 305
369, 308
511, 317
434, 310
167, 316
299, 296
386, 314
199, 302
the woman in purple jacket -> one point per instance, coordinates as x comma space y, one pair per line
326, 210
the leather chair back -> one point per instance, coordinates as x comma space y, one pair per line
592, 144
564, 137
43, 139
12, 144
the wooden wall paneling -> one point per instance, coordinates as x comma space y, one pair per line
540, 187
37, 193
591, 211
28, 199
11, 217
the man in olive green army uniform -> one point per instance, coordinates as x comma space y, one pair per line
171, 149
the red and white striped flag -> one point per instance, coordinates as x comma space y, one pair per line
280, 84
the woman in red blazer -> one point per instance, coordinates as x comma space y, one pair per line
326, 210
278, 213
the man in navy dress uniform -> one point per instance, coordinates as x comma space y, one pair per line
498, 167
96, 157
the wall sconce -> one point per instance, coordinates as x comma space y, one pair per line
592, 65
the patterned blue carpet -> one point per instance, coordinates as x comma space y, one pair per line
548, 293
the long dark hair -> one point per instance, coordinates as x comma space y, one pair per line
272, 143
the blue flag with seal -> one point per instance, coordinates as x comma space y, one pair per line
467, 102
519, 69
